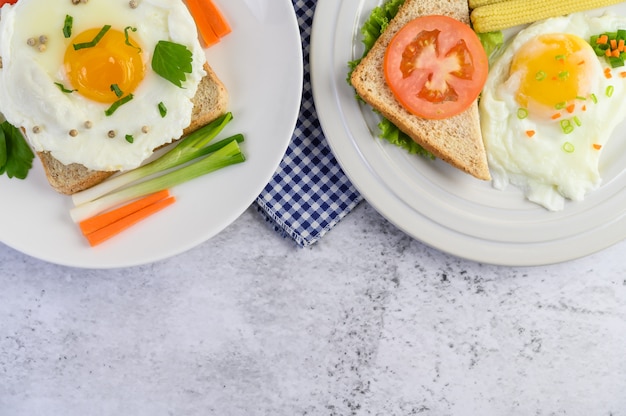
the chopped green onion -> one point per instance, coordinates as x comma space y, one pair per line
540, 76
568, 147
609, 90
130, 138
118, 104
560, 106
67, 27
563, 75
95, 40
162, 109
522, 113
116, 89
560, 57
134, 29
577, 121
63, 89
578, 97
594, 98
566, 126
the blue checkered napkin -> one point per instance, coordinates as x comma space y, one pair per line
309, 192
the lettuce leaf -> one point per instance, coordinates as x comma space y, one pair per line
372, 29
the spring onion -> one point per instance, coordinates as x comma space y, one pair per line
566, 126
226, 156
189, 148
522, 113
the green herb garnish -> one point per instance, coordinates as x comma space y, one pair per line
16, 156
162, 109
172, 61
116, 89
67, 27
118, 104
63, 89
130, 138
95, 40
134, 29
522, 113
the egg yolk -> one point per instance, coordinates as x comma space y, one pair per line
108, 70
555, 69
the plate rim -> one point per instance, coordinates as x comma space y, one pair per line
265, 13
328, 90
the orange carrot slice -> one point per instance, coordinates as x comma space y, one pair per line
207, 34
216, 19
97, 222
122, 224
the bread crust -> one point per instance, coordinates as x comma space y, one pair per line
456, 140
210, 102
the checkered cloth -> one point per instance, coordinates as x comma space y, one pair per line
309, 192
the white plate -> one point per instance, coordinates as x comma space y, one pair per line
260, 62
435, 203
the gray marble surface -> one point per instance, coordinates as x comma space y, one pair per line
366, 322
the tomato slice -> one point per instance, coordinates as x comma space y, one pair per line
3, 2
435, 66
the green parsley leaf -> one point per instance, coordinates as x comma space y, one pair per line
17, 153
130, 138
172, 61
162, 109
67, 27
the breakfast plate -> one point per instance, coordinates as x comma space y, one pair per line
435, 203
260, 63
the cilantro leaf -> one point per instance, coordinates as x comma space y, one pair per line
18, 154
172, 61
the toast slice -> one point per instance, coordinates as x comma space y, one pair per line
456, 140
210, 102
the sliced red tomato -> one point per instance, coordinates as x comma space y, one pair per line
3, 2
435, 66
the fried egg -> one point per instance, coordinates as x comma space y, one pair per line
102, 105
548, 108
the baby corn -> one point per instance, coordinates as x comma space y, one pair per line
509, 13
477, 3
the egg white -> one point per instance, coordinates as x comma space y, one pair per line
31, 99
546, 173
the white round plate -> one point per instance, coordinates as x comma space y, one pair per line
432, 201
260, 62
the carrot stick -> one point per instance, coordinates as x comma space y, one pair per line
215, 18
117, 227
208, 35
97, 222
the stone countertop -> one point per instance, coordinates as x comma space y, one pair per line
366, 322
